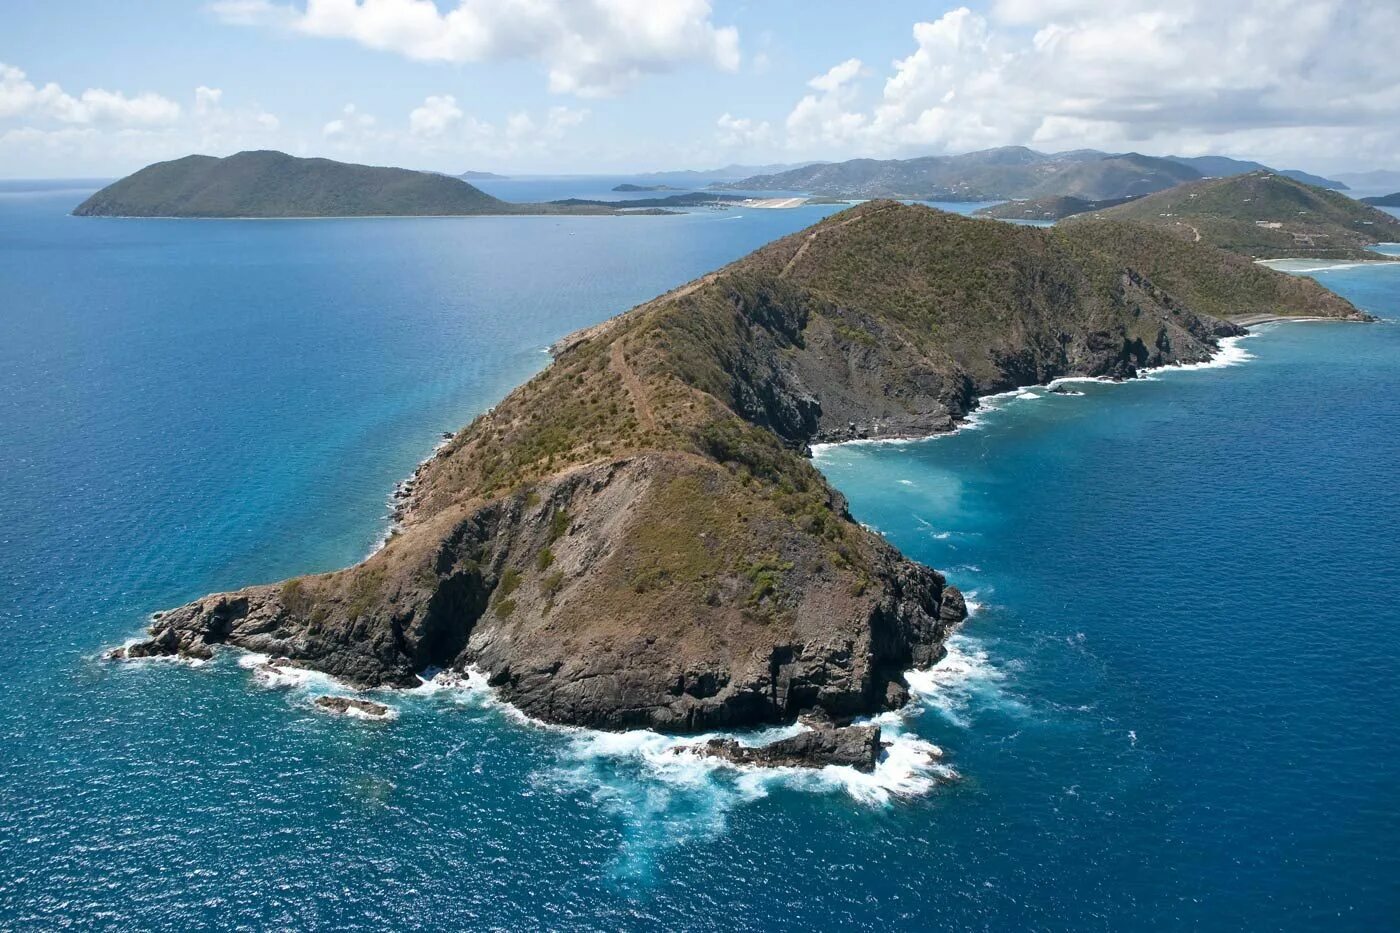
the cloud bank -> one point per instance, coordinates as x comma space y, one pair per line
590, 48
1299, 79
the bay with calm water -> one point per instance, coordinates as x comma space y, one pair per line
1174, 708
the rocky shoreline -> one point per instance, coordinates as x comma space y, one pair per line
633, 538
822, 744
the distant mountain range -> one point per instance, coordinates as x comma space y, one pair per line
1004, 173
1263, 215
274, 184
1224, 167
1377, 182
1385, 200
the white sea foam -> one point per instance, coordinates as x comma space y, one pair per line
469, 683
306, 685
609, 764
354, 713
966, 678
820, 450
1071, 380
289, 677
1229, 354
933, 530
156, 658
909, 766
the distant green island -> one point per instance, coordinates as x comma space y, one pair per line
688, 199
1385, 200
1262, 215
628, 186
482, 176
276, 185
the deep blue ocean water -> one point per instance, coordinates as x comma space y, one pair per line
1175, 708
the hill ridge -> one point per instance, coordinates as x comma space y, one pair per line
1263, 215
271, 184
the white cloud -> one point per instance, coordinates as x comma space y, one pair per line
1266, 77
838, 77
206, 99
523, 130
827, 119
250, 12
351, 124
99, 130
742, 132
590, 47
435, 115
440, 132
20, 97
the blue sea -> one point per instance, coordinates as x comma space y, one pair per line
1175, 706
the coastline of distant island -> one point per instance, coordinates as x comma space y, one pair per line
273, 185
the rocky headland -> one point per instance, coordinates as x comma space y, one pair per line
634, 537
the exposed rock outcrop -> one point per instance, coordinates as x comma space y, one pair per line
846, 746
350, 706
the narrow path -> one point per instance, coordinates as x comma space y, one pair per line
684, 290
802, 250
797, 255
617, 360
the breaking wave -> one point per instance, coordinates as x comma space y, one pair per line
1229, 354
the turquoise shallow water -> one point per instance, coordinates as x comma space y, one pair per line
1175, 708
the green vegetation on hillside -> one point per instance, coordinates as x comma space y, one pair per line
1047, 209
274, 184
1262, 215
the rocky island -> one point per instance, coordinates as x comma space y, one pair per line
634, 537
276, 185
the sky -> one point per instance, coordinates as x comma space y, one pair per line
99, 88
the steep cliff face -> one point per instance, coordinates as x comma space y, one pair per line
633, 537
